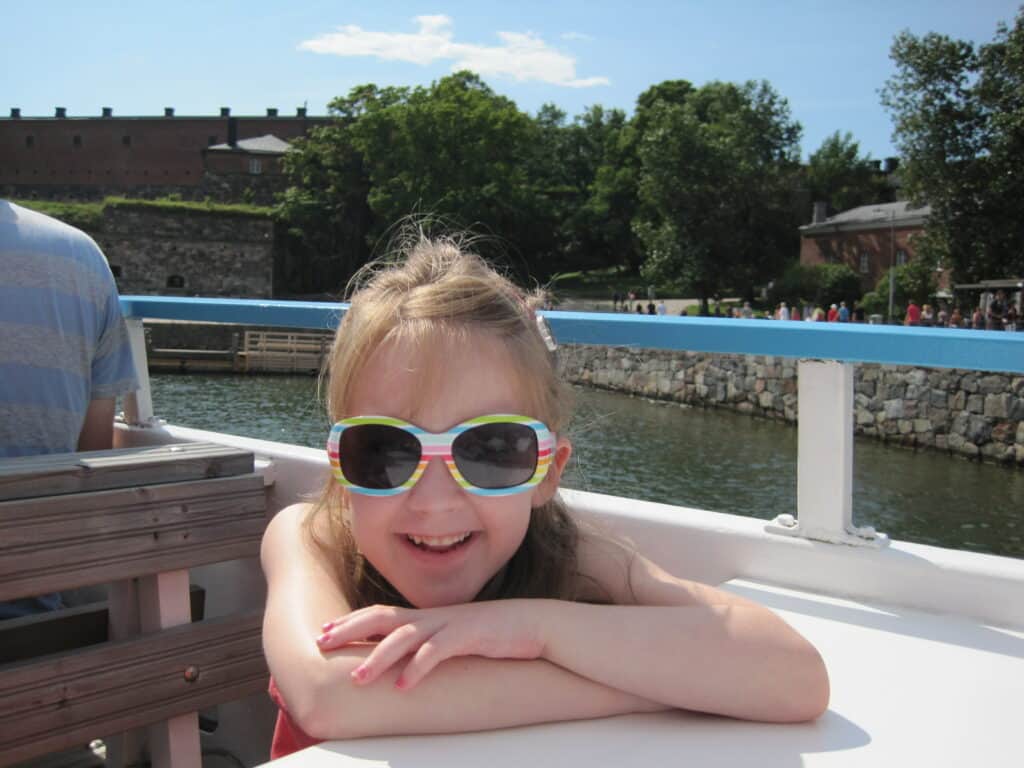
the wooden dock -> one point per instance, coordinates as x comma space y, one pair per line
259, 352
284, 352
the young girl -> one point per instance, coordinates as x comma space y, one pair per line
440, 585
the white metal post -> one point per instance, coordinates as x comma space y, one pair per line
825, 458
138, 405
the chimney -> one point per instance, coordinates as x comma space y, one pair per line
168, 111
820, 212
232, 131
271, 112
61, 112
108, 112
225, 111
300, 112
15, 113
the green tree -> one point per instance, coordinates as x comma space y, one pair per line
459, 151
839, 175
325, 208
716, 174
958, 111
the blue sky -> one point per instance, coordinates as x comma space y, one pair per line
827, 59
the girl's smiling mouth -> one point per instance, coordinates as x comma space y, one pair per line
438, 544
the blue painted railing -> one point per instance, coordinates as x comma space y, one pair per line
895, 345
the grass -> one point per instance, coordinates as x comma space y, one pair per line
600, 284
89, 215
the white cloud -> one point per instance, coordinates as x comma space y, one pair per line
576, 36
522, 55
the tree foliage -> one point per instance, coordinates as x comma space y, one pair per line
716, 169
959, 121
839, 175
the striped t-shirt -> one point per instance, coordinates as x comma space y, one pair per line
63, 340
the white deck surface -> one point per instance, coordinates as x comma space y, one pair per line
908, 689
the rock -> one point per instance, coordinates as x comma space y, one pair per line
958, 401
922, 425
906, 426
997, 406
938, 397
1003, 432
975, 404
1016, 409
989, 385
864, 417
893, 409
969, 449
979, 430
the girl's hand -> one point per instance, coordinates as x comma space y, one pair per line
501, 629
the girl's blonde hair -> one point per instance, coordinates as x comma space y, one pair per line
440, 290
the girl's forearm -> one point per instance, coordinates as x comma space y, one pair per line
737, 660
466, 693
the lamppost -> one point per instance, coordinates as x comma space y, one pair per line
892, 257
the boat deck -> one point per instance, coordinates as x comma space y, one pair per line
908, 688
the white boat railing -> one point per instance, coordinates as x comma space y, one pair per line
826, 353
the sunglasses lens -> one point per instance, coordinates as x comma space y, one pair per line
494, 456
378, 456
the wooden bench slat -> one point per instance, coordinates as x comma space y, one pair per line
59, 701
67, 473
57, 543
68, 629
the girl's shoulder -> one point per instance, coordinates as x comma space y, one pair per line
289, 536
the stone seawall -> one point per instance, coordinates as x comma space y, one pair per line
975, 414
188, 253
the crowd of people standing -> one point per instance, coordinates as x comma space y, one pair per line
1001, 313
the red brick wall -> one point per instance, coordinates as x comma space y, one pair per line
162, 150
847, 247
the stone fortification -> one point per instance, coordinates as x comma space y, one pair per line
188, 252
975, 414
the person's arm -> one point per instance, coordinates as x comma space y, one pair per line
680, 643
98, 428
686, 644
465, 693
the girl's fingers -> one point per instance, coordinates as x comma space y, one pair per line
430, 653
354, 628
389, 651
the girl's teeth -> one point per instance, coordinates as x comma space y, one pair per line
438, 541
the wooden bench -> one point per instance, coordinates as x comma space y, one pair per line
137, 519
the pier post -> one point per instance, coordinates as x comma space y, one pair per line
825, 458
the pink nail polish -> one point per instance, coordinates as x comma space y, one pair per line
400, 683
359, 673
323, 638
327, 625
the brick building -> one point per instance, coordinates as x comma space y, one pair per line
869, 239
70, 158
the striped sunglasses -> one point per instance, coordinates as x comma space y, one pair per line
492, 455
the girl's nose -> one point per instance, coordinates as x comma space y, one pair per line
436, 488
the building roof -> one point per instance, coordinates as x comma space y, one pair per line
902, 213
261, 145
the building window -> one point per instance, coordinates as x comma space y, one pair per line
865, 264
30, 141
126, 141
77, 141
175, 281
901, 258
255, 166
